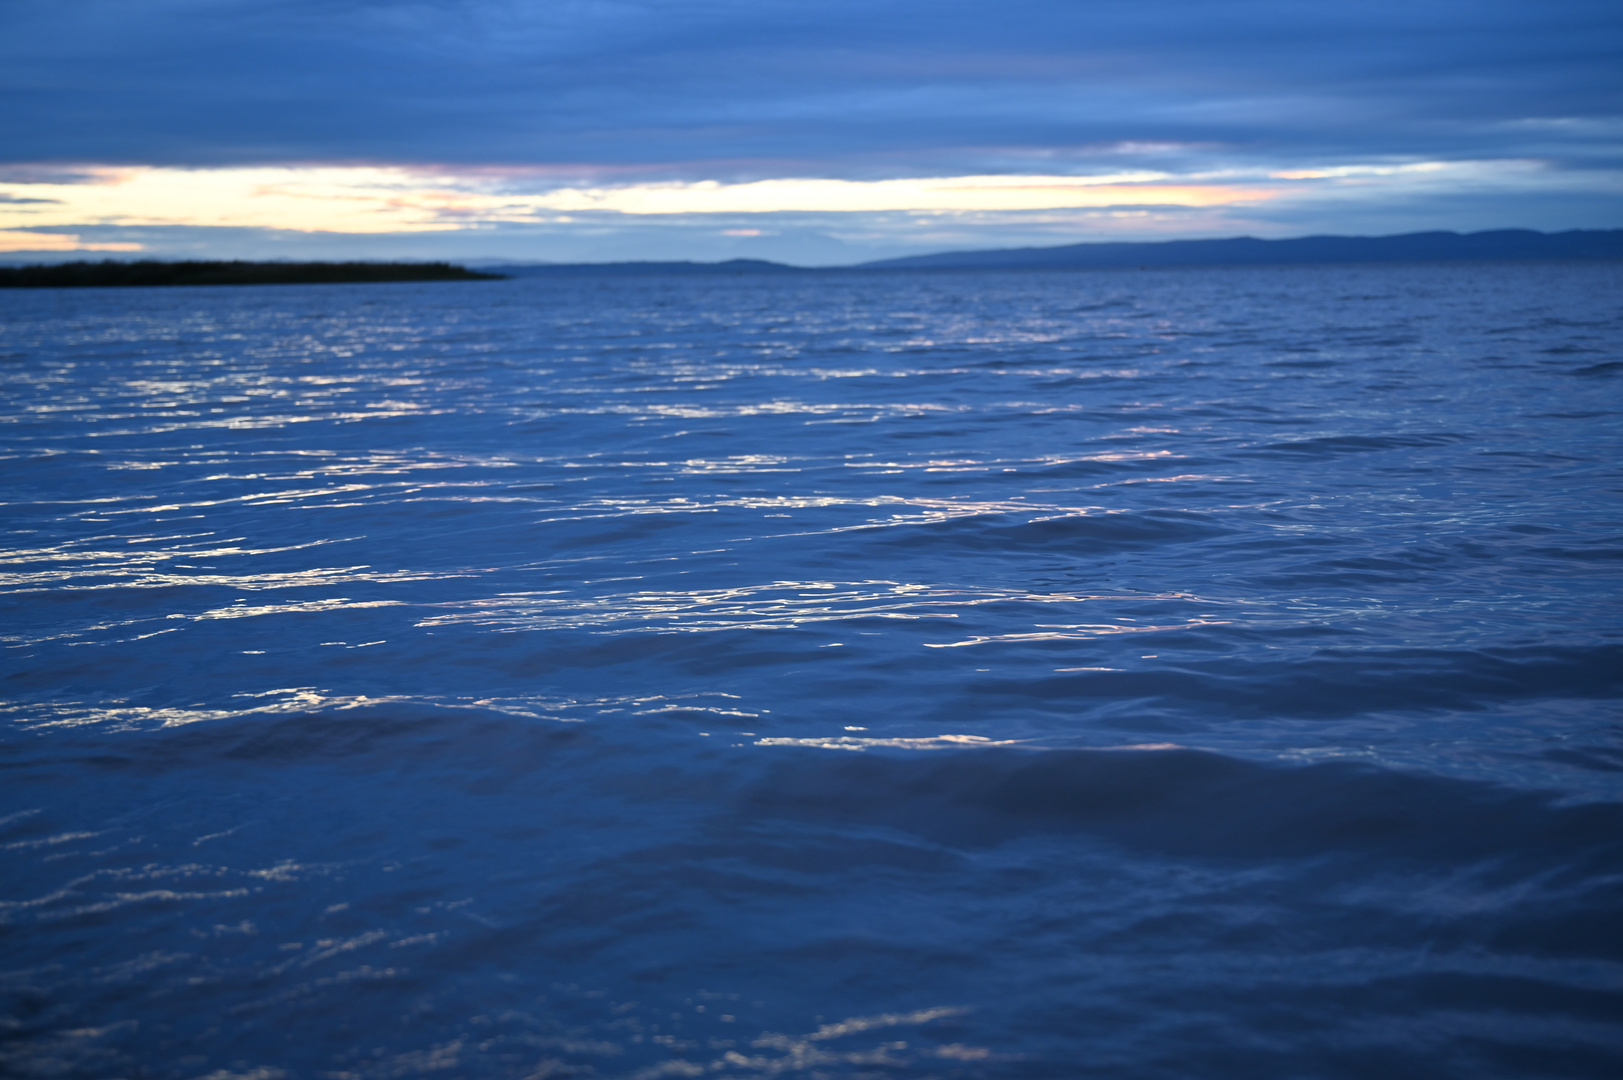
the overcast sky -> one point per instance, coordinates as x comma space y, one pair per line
808, 131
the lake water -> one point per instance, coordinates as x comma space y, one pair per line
1141, 674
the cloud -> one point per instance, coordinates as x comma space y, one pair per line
14, 241
727, 89
376, 199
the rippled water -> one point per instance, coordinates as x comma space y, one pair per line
1123, 674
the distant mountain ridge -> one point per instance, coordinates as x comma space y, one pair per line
685, 266
1409, 247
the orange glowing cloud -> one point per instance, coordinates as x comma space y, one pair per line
16, 240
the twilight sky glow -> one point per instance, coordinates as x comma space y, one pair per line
815, 132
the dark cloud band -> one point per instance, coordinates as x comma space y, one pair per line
737, 89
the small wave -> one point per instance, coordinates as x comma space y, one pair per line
1339, 683
1192, 802
1332, 445
1610, 367
1089, 533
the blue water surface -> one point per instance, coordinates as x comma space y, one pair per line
1141, 674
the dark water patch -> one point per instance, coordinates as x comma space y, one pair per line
399, 734
879, 877
1332, 445
1596, 758
1580, 554
1468, 1025
1340, 683
1193, 803
1610, 367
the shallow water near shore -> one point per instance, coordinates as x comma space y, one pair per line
1123, 674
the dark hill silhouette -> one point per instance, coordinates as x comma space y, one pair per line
1410, 247
731, 266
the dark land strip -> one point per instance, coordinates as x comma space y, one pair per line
235, 272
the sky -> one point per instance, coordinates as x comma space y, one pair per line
816, 132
